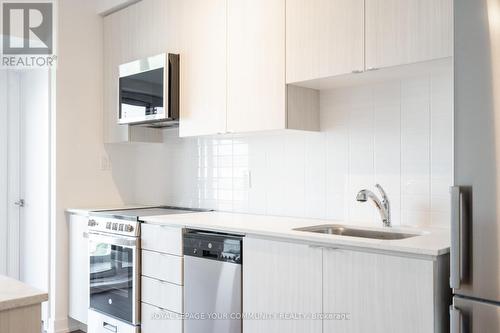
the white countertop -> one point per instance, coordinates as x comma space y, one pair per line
15, 294
433, 241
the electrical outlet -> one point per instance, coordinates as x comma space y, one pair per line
105, 163
247, 176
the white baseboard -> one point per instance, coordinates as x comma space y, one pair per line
62, 325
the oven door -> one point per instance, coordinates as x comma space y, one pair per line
114, 276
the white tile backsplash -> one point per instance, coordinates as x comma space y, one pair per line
396, 133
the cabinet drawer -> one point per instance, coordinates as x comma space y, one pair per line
162, 266
100, 323
161, 238
162, 294
156, 320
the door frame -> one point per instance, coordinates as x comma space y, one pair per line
3, 173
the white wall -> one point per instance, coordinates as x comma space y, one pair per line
78, 178
397, 133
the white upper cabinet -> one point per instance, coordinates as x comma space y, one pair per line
323, 38
327, 38
144, 29
233, 70
256, 91
203, 67
407, 31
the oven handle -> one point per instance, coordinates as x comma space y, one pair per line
114, 240
110, 327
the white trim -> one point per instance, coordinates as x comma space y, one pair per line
3, 172
62, 325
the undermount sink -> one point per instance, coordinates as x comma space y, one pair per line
342, 230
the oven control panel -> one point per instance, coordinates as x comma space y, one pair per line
114, 226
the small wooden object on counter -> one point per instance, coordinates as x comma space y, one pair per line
20, 307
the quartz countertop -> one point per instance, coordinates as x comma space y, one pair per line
16, 294
431, 241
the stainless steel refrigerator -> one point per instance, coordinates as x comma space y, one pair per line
475, 226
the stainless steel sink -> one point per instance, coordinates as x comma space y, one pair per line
342, 230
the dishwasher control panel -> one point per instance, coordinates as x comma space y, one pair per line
213, 246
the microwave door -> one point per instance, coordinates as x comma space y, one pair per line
141, 96
148, 91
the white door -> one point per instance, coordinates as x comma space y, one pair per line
34, 174
9, 172
24, 175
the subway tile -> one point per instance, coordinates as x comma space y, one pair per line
315, 175
441, 164
396, 133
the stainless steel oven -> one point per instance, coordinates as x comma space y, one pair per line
114, 259
114, 274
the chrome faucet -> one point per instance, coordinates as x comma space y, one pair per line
383, 206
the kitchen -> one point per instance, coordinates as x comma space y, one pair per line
293, 173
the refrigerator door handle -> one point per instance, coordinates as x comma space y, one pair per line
455, 320
455, 237
460, 199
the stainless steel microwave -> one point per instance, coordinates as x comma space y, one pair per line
148, 91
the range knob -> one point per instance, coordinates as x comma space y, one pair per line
129, 228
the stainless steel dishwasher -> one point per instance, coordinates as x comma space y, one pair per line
212, 282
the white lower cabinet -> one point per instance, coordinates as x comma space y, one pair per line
161, 279
101, 323
357, 292
78, 300
165, 295
281, 279
157, 320
161, 266
161, 238
377, 293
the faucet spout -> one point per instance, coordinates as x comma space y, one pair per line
383, 206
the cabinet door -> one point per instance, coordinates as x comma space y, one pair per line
78, 268
323, 38
281, 279
203, 67
378, 293
407, 31
256, 90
